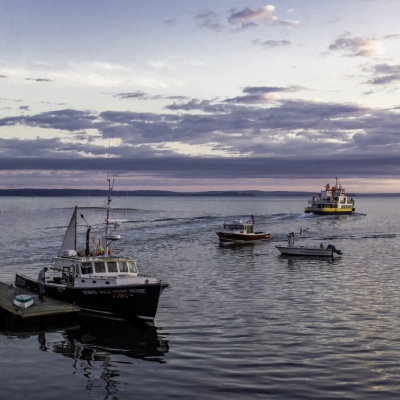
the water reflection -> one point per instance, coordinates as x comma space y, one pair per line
99, 350
99, 339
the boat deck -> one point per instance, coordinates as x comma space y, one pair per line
39, 308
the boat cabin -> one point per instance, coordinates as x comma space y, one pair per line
94, 267
239, 227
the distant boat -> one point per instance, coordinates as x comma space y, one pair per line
241, 232
331, 200
321, 251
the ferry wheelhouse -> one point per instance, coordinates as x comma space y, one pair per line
331, 200
241, 232
99, 282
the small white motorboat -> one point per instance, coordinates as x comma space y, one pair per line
321, 251
23, 301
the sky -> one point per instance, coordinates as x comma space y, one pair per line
200, 95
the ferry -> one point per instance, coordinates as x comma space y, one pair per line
331, 200
241, 232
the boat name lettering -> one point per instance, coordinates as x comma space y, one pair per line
119, 291
89, 292
105, 291
137, 290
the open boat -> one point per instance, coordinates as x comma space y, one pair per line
321, 251
101, 284
240, 232
332, 200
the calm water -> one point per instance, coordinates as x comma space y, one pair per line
236, 322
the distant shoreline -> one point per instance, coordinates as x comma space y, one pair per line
27, 192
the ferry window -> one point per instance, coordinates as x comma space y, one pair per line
112, 267
132, 267
231, 227
241, 227
87, 269
123, 267
99, 267
236, 227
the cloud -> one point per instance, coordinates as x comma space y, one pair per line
170, 22
210, 20
269, 44
289, 23
257, 98
132, 95
26, 108
244, 19
385, 74
3, 76
240, 127
176, 97
273, 89
216, 168
253, 16
265, 14
38, 79
263, 94
360, 46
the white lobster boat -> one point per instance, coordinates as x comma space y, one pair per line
321, 251
331, 200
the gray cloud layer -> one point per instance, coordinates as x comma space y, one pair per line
256, 130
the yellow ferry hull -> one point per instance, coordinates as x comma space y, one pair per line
329, 211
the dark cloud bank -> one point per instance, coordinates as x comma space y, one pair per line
260, 136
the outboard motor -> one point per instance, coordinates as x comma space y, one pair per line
335, 250
290, 239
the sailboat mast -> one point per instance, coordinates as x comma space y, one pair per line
109, 199
76, 225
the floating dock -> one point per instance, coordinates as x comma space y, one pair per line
47, 307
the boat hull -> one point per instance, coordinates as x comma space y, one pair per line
122, 302
305, 251
329, 211
225, 237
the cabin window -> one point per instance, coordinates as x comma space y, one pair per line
99, 267
123, 267
241, 227
236, 227
132, 267
86, 269
230, 227
112, 267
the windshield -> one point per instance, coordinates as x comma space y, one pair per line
99, 267
87, 269
112, 267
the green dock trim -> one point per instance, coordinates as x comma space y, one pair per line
38, 309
